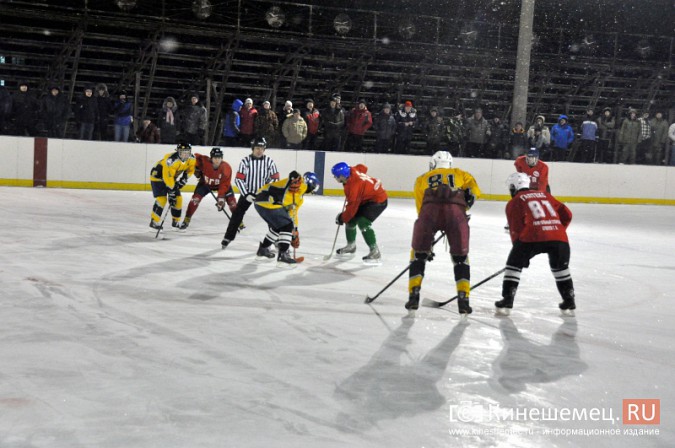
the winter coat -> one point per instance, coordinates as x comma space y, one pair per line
122, 112
294, 130
589, 129
477, 130
86, 110
562, 136
25, 107
545, 133
406, 123
630, 132
5, 102
500, 134
360, 120
518, 138
454, 131
55, 109
168, 129
247, 120
333, 122
659, 131
266, 124
606, 127
232, 120
193, 118
313, 121
150, 134
104, 104
434, 129
385, 126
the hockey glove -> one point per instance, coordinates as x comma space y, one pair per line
250, 197
295, 241
220, 204
180, 183
172, 197
338, 219
231, 203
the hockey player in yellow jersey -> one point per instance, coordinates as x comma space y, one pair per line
278, 203
443, 195
167, 178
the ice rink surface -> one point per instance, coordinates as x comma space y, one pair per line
110, 338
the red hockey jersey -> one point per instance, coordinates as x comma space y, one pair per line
359, 189
538, 173
536, 216
215, 178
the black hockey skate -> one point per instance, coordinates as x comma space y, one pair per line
567, 306
413, 299
285, 260
463, 304
175, 225
264, 252
504, 306
155, 225
224, 243
185, 224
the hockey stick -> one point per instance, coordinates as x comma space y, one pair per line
161, 224
241, 226
433, 304
337, 232
372, 299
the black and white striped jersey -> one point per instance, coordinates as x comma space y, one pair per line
254, 173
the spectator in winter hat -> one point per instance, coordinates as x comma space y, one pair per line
311, 116
266, 124
294, 130
247, 115
25, 110
359, 121
406, 122
285, 114
384, 124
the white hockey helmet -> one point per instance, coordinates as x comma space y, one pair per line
517, 182
440, 159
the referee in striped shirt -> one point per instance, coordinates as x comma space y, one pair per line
254, 171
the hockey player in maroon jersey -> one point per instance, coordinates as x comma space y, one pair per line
214, 174
537, 223
535, 169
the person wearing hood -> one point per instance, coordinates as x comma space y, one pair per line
266, 123
25, 110
538, 135
148, 132
168, 121
562, 137
606, 130
232, 124
629, 137
499, 140
384, 124
332, 122
478, 134
55, 112
86, 113
193, 122
359, 121
105, 107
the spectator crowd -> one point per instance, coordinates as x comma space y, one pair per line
629, 137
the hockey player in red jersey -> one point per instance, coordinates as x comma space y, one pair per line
537, 223
366, 200
536, 170
214, 174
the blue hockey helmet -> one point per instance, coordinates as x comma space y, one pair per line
532, 156
341, 169
311, 181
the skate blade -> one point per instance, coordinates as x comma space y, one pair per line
567, 313
263, 259
411, 314
372, 262
463, 317
282, 265
502, 311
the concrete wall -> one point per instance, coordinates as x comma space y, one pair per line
109, 165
